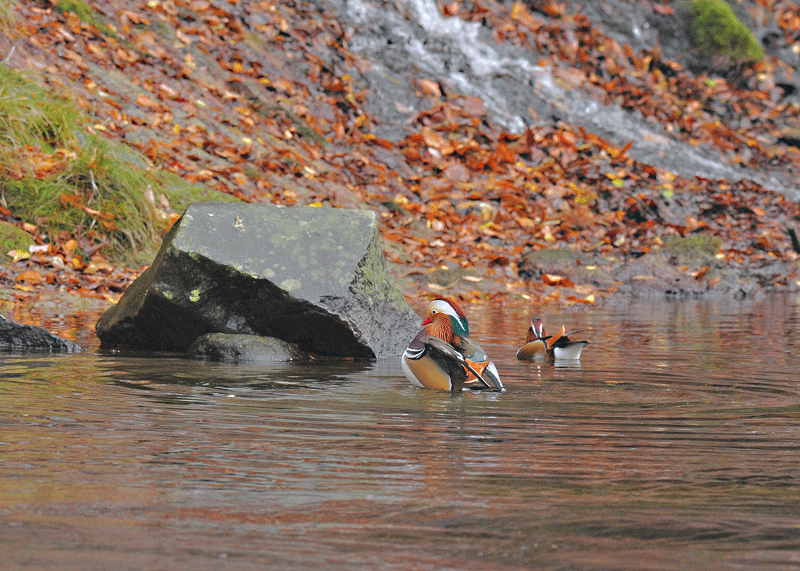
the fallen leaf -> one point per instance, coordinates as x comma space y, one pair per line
30, 277
429, 87
17, 255
556, 280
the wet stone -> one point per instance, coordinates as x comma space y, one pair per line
684, 267
574, 265
237, 348
312, 277
18, 337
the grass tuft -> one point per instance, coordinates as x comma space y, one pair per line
69, 181
8, 18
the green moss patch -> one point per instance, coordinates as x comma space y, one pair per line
87, 14
693, 251
12, 238
718, 32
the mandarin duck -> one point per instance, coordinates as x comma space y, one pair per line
442, 356
559, 346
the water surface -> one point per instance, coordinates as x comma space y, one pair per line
674, 444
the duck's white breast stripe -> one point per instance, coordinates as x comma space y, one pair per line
414, 354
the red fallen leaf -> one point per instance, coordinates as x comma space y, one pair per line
505, 154
385, 143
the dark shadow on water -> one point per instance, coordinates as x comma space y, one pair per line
156, 373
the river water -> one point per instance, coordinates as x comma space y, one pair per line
674, 445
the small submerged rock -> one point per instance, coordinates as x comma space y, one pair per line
231, 347
313, 277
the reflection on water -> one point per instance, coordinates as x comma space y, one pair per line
674, 444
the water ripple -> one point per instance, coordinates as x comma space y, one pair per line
671, 445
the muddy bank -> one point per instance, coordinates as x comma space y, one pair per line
689, 267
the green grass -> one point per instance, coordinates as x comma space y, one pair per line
7, 16
87, 14
28, 117
181, 194
718, 32
68, 181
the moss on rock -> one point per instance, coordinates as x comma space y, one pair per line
12, 238
693, 251
718, 32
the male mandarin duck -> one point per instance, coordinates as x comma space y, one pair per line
442, 356
559, 346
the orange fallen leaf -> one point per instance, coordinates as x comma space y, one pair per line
429, 88
30, 277
432, 138
702, 272
556, 280
588, 299
17, 255
145, 101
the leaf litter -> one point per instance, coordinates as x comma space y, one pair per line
262, 101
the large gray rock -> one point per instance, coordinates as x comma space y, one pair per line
20, 337
313, 277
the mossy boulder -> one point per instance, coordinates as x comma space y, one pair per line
685, 266
312, 277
